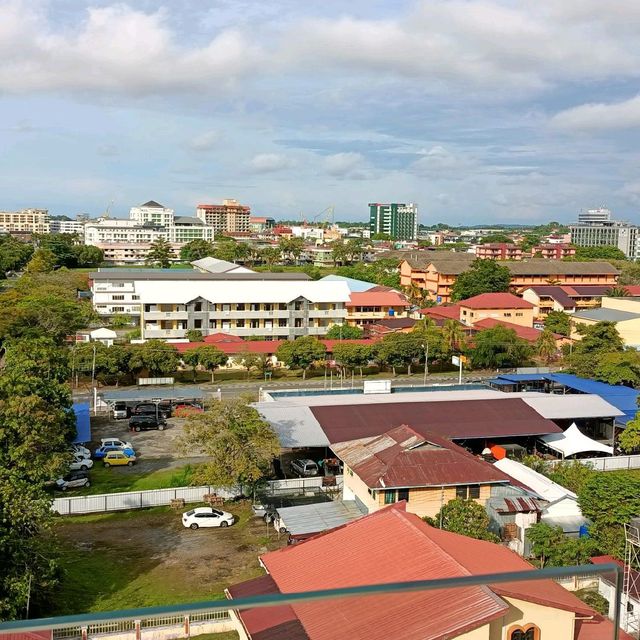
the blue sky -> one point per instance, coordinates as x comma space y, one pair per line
478, 111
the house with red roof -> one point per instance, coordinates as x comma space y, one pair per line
393, 545
498, 306
424, 470
367, 307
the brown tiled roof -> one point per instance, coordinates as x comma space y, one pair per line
403, 458
559, 267
495, 301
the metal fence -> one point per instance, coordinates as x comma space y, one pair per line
122, 501
608, 463
125, 627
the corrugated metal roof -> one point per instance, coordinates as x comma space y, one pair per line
147, 393
516, 504
556, 407
606, 315
296, 426
539, 484
317, 517
403, 458
386, 546
455, 420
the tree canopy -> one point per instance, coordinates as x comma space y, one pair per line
499, 347
14, 254
301, 353
552, 548
210, 358
160, 254
597, 340
599, 253
629, 438
156, 356
344, 332
466, 517
619, 367
558, 322
351, 356
484, 276
196, 250
239, 443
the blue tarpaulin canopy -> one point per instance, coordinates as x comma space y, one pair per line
83, 422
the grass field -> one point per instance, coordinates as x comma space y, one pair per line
120, 479
147, 558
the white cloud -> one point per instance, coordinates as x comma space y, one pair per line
205, 141
345, 165
600, 116
270, 162
439, 161
108, 150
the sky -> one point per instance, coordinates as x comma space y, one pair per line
480, 112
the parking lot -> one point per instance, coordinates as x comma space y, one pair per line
147, 558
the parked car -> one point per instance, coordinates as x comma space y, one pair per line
79, 450
118, 459
101, 452
304, 468
163, 409
82, 464
206, 517
115, 442
120, 411
146, 423
73, 480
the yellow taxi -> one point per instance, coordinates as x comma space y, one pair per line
118, 458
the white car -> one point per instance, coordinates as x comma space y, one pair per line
81, 464
115, 442
206, 517
80, 451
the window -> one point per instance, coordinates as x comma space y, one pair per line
255, 324
197, 324
389, 496
461, 492
197, 306
507, 315
403, 494
240, 307
118, 297
239, 324
526, 632
474, 491
519, 315
282, 322
468, 492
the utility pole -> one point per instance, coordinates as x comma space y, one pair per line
426, 362
93, 375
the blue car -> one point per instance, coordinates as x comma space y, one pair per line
101, 452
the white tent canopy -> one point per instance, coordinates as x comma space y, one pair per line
103, 334
573, 441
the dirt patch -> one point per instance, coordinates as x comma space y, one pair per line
149, 558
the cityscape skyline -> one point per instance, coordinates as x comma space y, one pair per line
493, 114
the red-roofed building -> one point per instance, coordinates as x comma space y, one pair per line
525, 333
499, 306
442, 313
391, 325
393, 545
368, 307
426, 471
499, 251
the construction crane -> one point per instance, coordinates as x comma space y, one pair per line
107, 211
324, 219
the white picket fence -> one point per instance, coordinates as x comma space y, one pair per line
122, 501
609, 463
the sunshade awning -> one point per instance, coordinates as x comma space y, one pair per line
573, 441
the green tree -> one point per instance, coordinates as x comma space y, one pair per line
301, 353
546, 347
629, 273
617, 292
86, 255
14, 254
344, 332
484, 276
191, 358
599, 253
196, 250
499, 347
160, 253
120, 321
597, 340
37, 424
111, 363
629, 439
530, 240
466, 517
42, 261
558, 322
351, 356
384, 272
610, 500
553, 549
380, 236
240, 445
399, 350
619, 367
194, 335
500, 238
270, 256
249, 360
453, 336
572, 475
156, 356
210, 358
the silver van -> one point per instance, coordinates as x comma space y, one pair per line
304, 468
120, 411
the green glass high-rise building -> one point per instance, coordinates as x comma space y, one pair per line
398, 220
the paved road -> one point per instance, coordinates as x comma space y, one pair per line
236, 388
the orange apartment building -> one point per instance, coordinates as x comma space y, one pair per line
553, 251
438, 274
499, 251
368, 307
497, 306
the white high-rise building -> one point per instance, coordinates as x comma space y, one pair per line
591, 216
595, 228
152, 213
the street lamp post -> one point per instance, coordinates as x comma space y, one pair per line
426, 362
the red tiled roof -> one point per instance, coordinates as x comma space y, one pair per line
377, 299
403, 458
216, 338
633, 289
395, 323
451, 311
502, 418
597, 629
234, 346
526, 333
267, 623
386, 546
496, 301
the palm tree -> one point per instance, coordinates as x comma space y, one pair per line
416, 294
452, 335
546, 346
617, 292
